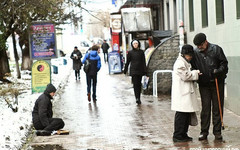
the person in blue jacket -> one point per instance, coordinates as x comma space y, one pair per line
91, 75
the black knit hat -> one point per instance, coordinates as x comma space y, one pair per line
187, 50
199, 39
50, 88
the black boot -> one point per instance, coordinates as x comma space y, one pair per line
43, 133
138, 101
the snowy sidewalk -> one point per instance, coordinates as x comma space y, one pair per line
15, 125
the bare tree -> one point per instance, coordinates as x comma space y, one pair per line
18, 15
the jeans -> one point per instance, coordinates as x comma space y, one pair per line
77, 73
104, 55
92, 81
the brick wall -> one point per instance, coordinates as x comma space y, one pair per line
163, 58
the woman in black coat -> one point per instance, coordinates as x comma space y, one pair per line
137, 68
76, 57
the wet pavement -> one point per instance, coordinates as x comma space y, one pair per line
115, 122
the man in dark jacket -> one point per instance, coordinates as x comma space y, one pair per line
105, 48
137, 68
42, 113
212, 63
95, 65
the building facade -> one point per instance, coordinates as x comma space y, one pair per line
220, 21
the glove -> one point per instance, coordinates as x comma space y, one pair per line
215, 72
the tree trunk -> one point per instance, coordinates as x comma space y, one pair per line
26, 61
4, 64
16, 56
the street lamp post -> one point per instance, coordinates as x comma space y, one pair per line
181, 25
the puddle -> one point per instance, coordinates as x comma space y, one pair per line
47, 147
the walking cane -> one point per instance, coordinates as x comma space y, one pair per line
219, 103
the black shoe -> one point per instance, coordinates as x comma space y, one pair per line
43, 133
79, 78
202, 137
138, 101
218, 137
180, 140
188, 138
94, 100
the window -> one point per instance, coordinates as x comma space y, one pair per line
238, 8
191, 15
204, 13
219, 11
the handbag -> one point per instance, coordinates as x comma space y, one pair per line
87, 65
193, 121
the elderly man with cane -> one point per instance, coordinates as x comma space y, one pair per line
212, 63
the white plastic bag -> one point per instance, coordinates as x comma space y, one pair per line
145, 82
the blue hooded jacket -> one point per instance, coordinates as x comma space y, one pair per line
95, 61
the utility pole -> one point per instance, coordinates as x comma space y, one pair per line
181, 25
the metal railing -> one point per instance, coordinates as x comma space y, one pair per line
155, 73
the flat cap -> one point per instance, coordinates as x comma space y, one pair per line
199, 39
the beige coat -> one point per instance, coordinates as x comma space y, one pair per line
184, 98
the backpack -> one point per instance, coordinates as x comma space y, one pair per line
87, 64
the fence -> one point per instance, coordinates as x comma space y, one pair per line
155, 73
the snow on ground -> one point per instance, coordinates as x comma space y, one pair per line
15, 126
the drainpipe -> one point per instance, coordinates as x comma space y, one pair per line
181, 25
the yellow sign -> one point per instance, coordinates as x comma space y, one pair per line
41, 76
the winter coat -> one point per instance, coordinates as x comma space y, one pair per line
95, 61
184, 98
42, 109
138, 63
105, 47
206, 62
76, 60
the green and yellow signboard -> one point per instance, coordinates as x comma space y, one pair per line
41, 76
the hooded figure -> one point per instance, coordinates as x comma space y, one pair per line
42, 113
137, 68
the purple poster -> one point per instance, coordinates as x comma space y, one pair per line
43, 41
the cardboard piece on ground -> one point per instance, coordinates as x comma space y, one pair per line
62, 132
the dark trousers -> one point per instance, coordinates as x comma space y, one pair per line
77, 73
210, 101
137, 85
92, 81
105, 55
54, 124
181, 124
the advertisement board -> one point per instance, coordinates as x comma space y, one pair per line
115, 42
43, 41
41, 76
114, 63
115, 23
137, 19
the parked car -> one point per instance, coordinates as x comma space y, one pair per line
84, 46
